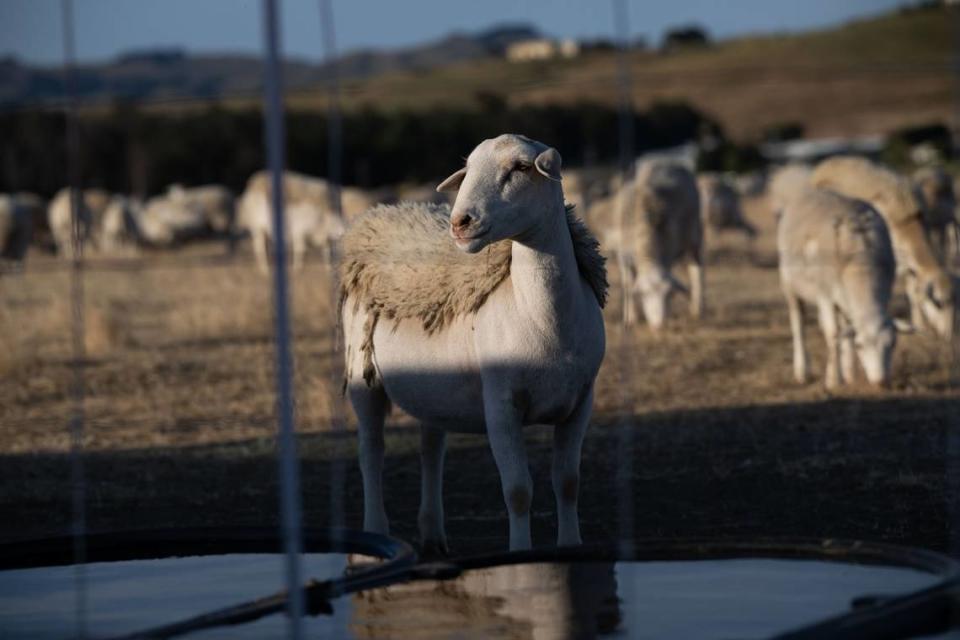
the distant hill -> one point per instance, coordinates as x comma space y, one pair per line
171, 73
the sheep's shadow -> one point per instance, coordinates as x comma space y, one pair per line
873, 469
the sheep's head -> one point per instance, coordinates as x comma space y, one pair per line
874, 344
938, 305
502, 191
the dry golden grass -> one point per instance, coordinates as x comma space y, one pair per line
180, 351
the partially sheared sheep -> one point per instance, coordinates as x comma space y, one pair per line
505, 332
934, 189
720, 208
929, 287
660, 225
308, 215
835, 253
165, 221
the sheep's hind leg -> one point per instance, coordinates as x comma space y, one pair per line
433, 538
370, 405
567, 443
831, 334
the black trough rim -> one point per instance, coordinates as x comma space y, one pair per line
929, 610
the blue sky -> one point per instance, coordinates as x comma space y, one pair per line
31, 29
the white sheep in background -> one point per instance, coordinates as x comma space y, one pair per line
309, 221
165, 221
214, 202
929, 287
60, 221
836, 254
505, 332
720, 208
659, 211
934, 189
16, 225
119, 229
786, 184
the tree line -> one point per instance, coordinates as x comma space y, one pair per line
127, 149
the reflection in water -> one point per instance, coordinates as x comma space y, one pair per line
747, 599
538, 601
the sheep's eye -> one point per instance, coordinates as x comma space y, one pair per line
520, 167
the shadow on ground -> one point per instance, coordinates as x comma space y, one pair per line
868, 469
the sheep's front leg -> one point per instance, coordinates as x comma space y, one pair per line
567, 443
828, 324
505, 431
433, 538
259, 240
795, 309
915, 299
848, 367
628, 279
695, 271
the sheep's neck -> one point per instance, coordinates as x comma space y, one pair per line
544, 274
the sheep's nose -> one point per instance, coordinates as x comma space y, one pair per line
460, 221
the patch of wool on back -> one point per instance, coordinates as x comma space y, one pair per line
399, 262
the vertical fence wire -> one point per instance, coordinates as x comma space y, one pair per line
334, 173
78, 486
625, 436
952, 419
286, 437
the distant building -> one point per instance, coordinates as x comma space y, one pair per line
542, 49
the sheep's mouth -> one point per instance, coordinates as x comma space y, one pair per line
464, 237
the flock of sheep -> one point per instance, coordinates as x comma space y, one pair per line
484, 313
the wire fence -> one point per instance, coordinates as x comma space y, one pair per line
174, 363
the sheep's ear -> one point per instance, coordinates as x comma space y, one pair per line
548, 164
453, 182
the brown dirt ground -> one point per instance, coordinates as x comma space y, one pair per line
712, 436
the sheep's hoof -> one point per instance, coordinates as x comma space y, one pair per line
434, 549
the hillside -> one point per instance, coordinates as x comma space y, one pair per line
864, 77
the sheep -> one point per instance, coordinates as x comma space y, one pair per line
214, 202
659, 212
835, 253
786, 184
495, 323
929, 287
60, 221
36, 210
309, 222
720, 206
934, 189
15, 230
120, 227
165, 220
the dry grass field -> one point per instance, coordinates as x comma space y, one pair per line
718, 438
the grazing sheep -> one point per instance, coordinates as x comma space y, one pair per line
165, 221
786, 184
660, 225
15, 230
929, 287
835, 253
720, 206
494, 329
214, 202
354, 200
36, 209
119, 229
309, 222
934, 189
60, 221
